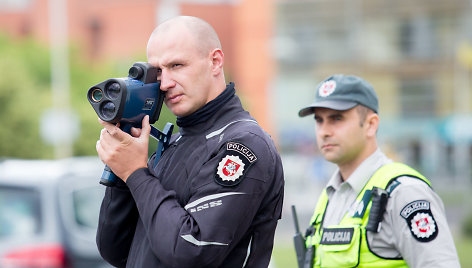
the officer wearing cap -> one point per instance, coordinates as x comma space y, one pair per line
373, 212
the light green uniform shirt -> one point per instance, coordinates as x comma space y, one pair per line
395, 238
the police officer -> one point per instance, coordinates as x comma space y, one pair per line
373, 212
215, 196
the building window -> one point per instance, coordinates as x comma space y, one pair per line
416, 38
417, 98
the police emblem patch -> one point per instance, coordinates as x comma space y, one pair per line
230, 168
423, 225
420, 220
327, 88
234, 164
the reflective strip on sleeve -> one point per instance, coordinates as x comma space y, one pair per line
219, 131
248, 252
209, 197
194, 241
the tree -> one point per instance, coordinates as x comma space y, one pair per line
25, 94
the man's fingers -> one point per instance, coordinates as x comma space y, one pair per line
123, 152
113, 130
97, 146
102, 122
146, 128
135, 132
144, 131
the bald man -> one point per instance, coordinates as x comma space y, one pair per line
215, 196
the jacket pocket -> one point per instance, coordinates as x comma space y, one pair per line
339, 247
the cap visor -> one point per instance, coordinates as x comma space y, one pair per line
333, 105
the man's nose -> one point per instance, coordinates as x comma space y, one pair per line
166, 81
323, 130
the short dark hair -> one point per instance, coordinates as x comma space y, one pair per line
363, 112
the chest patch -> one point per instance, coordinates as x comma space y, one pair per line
420, 220
337, 236
236, 161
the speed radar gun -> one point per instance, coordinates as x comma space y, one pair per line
126, 101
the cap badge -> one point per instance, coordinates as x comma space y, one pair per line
327, 88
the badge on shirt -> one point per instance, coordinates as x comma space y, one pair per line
419, 218
337, 236
234, 164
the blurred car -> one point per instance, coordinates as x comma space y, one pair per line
49, 213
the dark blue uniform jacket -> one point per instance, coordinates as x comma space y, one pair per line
213, 200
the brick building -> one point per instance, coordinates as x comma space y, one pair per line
119, 29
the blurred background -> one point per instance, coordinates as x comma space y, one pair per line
416, 54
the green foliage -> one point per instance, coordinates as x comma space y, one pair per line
467, 226
25, 93
464, 247
283, 255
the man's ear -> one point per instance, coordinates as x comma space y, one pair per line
217, 60
372, 123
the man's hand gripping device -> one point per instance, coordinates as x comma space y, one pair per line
126, 101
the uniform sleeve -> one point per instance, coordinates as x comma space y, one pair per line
116, 225
218, 215
419, 226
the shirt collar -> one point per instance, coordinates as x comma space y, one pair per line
227, 112
361, 175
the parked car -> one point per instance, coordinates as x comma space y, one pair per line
49, 212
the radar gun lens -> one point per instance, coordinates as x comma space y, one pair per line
108, 110
113, 90
97, 95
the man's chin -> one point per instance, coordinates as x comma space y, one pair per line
331, 157
178, 111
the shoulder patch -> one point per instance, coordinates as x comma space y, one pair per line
392, 186
236, 161
420, 220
